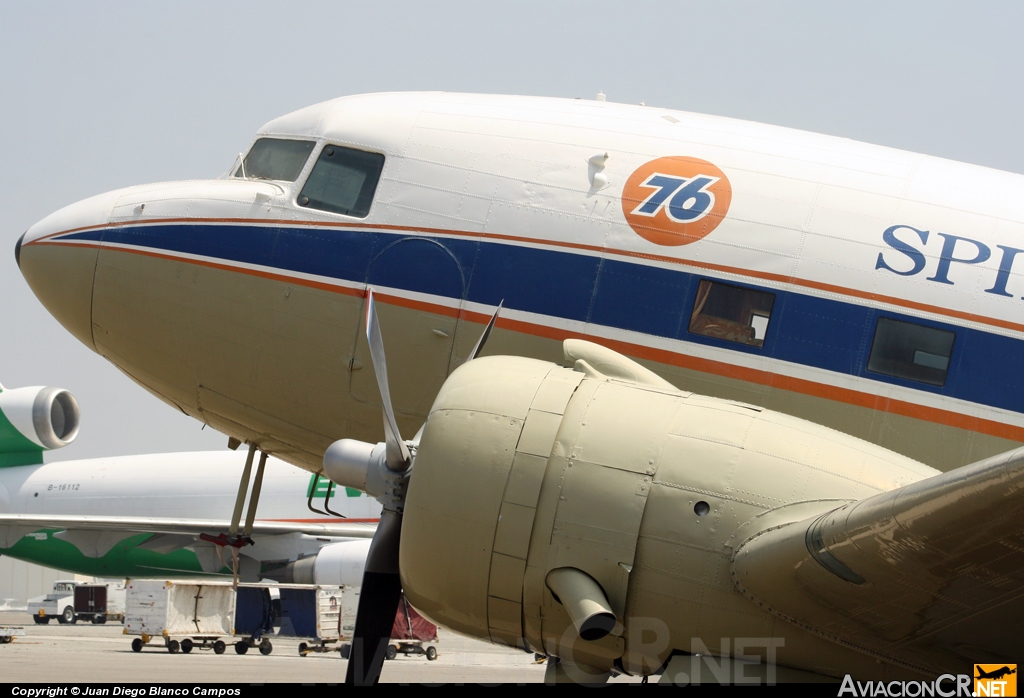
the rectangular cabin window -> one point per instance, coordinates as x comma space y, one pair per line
914, 352
275, 158
731, 313
343, 180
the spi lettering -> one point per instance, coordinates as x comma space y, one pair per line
952, 246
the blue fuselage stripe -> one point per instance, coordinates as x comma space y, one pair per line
822, 333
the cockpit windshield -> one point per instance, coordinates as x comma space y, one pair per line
275, 158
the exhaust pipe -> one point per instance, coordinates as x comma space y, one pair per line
584, 600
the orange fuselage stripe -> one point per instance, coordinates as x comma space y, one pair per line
719, 368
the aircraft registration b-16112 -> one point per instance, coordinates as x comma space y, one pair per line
781, 274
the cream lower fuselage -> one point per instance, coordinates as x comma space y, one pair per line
242, 306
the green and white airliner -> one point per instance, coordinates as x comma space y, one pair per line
156, 515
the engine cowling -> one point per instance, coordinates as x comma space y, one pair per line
545, 502
335, 564
36, 419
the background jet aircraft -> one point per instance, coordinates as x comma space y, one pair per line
143, 516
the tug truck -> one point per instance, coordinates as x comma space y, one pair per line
71, 601
59, 604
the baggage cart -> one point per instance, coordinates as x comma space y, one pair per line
208, 615
9, 632
199, 613
254, 618
324, 614
410, 634
101, 601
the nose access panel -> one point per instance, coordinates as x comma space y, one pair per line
57, 257
61, 276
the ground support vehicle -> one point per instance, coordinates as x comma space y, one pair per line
199, 613
254, 616
71, 601
9, 632
59, 604
208, 615
410, 634
99, 602
324, 614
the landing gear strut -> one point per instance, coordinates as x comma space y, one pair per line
232, 538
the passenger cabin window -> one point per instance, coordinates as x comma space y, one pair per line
731, 313
343, 180
914, 352
275, 158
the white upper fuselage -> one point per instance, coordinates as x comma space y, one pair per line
842, 232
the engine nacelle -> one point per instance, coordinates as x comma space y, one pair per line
572, 511
335, 564
37, 419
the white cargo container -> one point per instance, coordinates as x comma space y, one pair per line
198, 612
190, 614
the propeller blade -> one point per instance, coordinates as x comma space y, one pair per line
487, 333
397, 453
378, 603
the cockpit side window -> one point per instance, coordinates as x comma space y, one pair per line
275, 158
343, 180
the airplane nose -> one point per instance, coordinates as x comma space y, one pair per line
57, 257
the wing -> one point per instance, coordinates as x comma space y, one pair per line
931, 574
15, 526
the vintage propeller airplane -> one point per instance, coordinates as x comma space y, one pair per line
841, 488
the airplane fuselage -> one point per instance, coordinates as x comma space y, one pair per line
867, 289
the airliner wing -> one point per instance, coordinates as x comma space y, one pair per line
931, 574
15, 526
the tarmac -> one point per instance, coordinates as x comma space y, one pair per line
87, 653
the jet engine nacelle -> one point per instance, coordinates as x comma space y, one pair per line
550, 508
335, 564
38, 419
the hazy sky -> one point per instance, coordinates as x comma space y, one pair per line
97, 96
